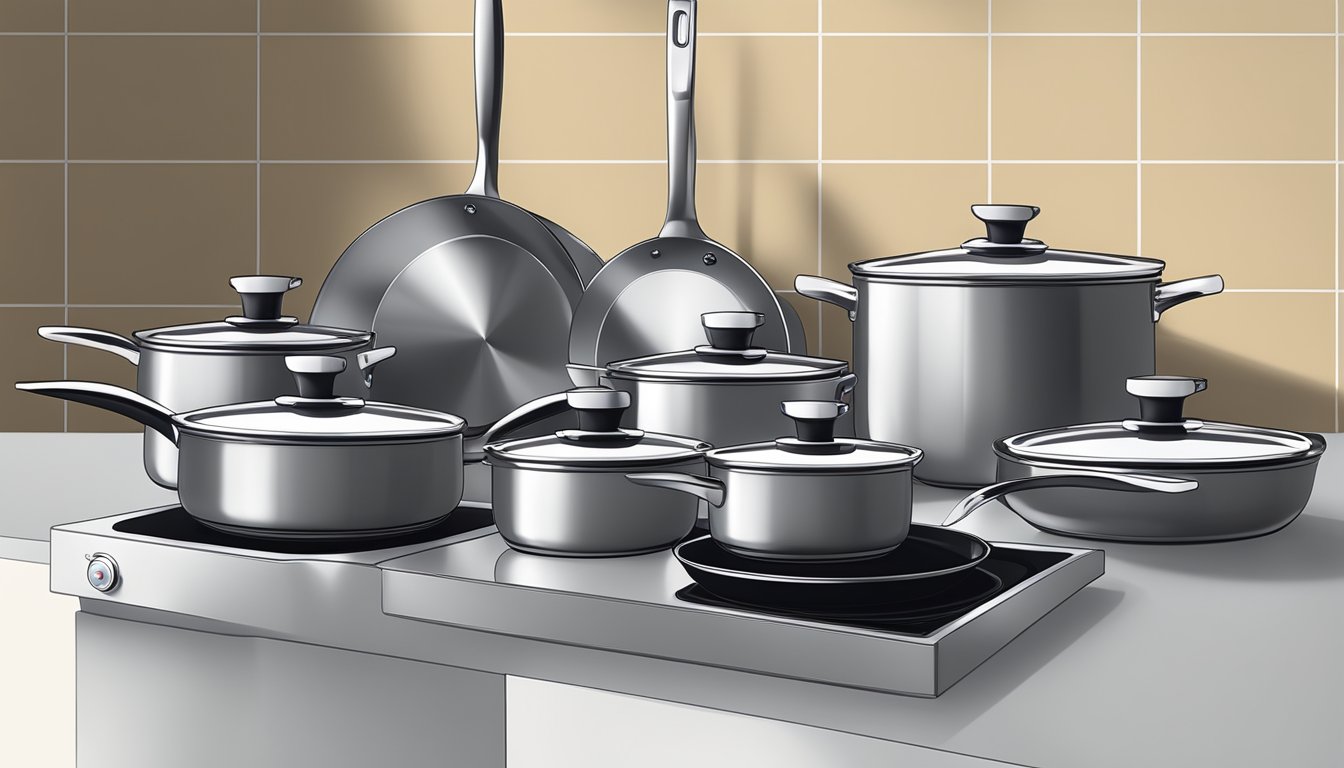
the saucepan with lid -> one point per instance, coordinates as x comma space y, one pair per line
956, 348
566, 493
822, 498
726, 392
236, 360
1252, 480
310, 465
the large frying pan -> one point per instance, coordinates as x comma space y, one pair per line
649, 298
476, 293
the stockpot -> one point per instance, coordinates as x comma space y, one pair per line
566, 493
817, 497
726, 392
236, 360
306, 466
959, 347
1252, 480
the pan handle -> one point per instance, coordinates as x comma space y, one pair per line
843, 296
94, 339
1109, 481
681, 220
488, 41
110, 398
710, 489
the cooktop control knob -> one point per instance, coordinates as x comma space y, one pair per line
102, 572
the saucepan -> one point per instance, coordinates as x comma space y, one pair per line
236, 360
1252, 480
818, 497
312, 466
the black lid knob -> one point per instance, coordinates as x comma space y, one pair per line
1005, 224
1162, 398
262, 294
315, 375
599, 409
731, 330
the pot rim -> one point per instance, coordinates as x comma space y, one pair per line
441, 426
998, 282
340, 340
493, 459
821, 467
787, 378
1312, 456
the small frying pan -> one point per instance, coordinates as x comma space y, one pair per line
476, 293
649, 298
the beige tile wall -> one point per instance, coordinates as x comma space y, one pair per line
149, 149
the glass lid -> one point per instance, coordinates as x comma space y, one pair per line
599, 440
316, 416
729, 356
261, 327
1006, 255
1162, 437
816, 449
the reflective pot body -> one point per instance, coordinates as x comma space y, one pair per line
804, 516
319, 490
184, 381
725, 413
1233, 503
951, 368
589, 512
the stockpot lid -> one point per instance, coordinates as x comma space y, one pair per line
315, 416
815, 449
729, 357
1162, 438
260, 329
1005, 255
598, 442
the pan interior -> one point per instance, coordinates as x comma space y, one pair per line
661, 310
486, 324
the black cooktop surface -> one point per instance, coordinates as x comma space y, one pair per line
1004, 569
176, 525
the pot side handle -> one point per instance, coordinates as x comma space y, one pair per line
110, 398
707, 488
1076, 479
1168, 295
843, 296
94, 339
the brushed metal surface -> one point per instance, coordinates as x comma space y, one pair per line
1228, 504
320, 490
953, 368
588, 513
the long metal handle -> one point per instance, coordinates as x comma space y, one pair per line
681, 220
1168, 295
488, 39
1077, 479
94, 339
110, 398
707, 488
843, 296
473, 448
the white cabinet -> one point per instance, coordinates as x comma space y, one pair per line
37, 669
562, 726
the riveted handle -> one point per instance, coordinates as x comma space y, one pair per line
488, 46
1162, 398
263, 294
1005, 224
315, 375
598, 409
369, 360
681, 219
731, 330
843, 296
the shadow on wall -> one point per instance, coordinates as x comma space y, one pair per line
1244, 390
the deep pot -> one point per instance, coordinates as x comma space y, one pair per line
236, 360
957, 348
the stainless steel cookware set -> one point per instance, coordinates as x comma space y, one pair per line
1002, 364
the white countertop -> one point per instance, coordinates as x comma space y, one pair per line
1180, 655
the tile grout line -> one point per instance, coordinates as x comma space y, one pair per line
257, 189
65, 212
989, 101
1138, 128
721, 161
632, 34
821, 223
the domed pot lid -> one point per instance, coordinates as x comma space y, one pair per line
815, 449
